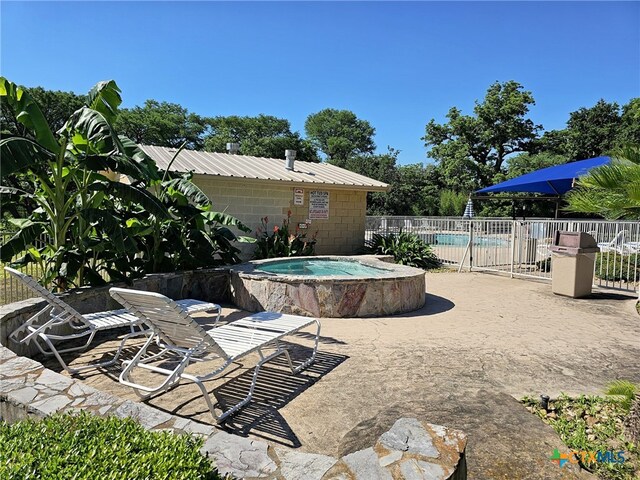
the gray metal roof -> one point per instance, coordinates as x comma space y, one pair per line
259, 168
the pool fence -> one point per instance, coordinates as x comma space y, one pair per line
518, 248
521, 248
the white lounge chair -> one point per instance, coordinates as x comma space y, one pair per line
616, 245
179, 334
58, 314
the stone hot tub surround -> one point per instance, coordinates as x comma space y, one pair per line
396, 289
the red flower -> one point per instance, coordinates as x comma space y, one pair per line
288, 213
275, 229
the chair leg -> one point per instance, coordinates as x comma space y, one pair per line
143, 391
55, 352
108, 363
310, 360
199, 381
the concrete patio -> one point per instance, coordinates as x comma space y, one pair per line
480, 342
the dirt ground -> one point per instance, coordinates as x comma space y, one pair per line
480, 342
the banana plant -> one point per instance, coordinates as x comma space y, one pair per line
75, 219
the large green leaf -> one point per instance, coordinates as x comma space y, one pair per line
105, 98
22, 240
113, 227
132, 194
90, 132
227, 220
28, 114
21, 153
143, 161
189, 189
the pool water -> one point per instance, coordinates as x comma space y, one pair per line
317, 268
461, 239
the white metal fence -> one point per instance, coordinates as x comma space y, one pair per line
521, 248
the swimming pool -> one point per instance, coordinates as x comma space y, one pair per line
462, 239
357, 286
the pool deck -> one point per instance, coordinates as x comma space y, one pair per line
480, 342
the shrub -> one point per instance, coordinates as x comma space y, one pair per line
617, 268
87, 447
281, 243
406, 248
452, 203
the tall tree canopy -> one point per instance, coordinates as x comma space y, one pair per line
592, 131
56, 107
163, 124
381, 167
261, 136
339, 134
479, 144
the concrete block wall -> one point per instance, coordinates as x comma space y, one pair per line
250, 201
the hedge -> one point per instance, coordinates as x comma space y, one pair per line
83, 446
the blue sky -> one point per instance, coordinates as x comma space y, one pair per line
394, 64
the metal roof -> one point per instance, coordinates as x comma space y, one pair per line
259, 168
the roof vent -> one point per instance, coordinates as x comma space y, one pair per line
233, 148
291, 157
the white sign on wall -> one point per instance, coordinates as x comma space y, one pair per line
318, 205
298, 196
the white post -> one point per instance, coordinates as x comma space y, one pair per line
513, 245
470, 244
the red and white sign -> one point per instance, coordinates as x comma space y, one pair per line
298, 196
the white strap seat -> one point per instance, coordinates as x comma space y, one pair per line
40, 328
179, 334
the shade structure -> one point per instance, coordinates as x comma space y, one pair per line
556, 180
468, 210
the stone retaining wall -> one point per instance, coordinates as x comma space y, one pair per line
410, 450
211, 285
395, 289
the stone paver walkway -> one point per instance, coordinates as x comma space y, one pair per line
480, 342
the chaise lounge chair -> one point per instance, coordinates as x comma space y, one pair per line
180, 335
617, 245
58, 314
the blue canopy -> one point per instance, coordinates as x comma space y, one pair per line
551, 180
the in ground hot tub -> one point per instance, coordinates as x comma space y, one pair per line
361, 286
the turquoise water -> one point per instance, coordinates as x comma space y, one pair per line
316, 268
462, 239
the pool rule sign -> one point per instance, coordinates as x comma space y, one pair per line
318, 205
298, 196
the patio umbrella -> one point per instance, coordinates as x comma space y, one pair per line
468, 210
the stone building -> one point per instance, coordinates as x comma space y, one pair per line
322, 198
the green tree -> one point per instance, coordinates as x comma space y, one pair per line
629, 131
380, 167
414, 191
452, 204
261, 136
526, 163
592, 132
479, 145
163, 124
56, 107
611, 191
339, 134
